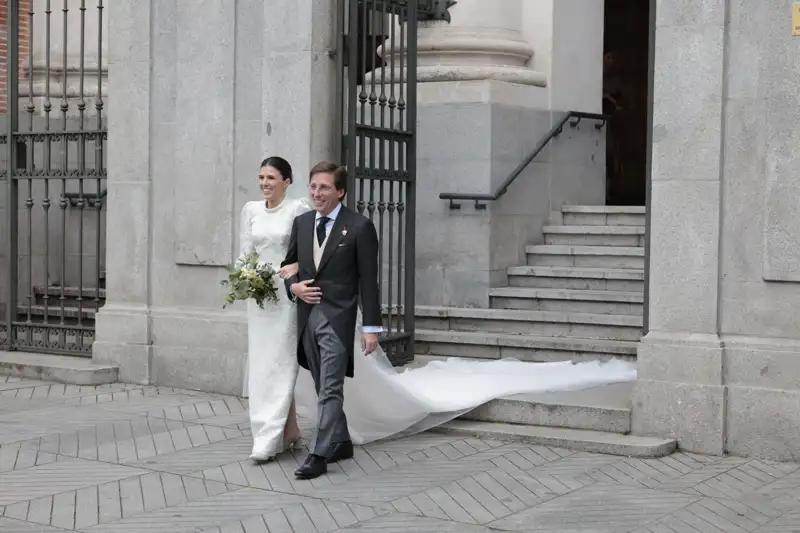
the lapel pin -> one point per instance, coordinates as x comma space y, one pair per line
344, 231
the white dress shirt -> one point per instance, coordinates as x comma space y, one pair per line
328, 228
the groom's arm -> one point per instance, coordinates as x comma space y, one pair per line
291, 257
367, 258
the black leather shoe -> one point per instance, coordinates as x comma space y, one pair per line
342, 451
314, 467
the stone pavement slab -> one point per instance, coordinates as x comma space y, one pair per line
130, 458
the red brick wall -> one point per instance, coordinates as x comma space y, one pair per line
24, 45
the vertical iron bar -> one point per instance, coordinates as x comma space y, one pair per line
362, 99
401, 171
29, 203
47, 107
401, 159
411, 190
373, 102
30, 144
98, 153
81, 203
64, 171
11, 128
393, 148
341, 49
382, 100
351, 95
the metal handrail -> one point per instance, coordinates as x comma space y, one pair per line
573, 117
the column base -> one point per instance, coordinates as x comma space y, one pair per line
679, 392
123, 340
197, 349
717, 395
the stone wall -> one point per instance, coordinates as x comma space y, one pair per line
719, 368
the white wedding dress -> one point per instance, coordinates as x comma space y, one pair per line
380, 402
272, 332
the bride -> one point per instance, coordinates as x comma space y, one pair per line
271, 332
379, 401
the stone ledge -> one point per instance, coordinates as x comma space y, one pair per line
58, 368
527, 316
528, 410
569, 249
570, 439
604, 209
622, 348
594, 230
628, 274
567, 294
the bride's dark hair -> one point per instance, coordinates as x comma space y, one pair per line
279, 164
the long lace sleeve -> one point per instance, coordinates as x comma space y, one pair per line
245, 233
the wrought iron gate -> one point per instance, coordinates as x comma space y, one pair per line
377, 105
54, 175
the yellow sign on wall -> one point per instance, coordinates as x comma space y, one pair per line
796, 19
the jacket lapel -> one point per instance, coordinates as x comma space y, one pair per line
306, 241
334, 239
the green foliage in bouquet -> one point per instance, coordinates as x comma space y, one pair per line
249, 279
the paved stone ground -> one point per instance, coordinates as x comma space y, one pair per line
123, 458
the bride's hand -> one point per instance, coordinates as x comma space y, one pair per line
288, 271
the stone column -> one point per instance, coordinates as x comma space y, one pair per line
680, 389
123, 324
183, 159
483, 41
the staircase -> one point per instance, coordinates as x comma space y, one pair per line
46, 304
579, 297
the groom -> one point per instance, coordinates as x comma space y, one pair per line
337, 254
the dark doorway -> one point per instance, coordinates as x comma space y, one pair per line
625, 85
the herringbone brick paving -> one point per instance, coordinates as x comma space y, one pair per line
127, 458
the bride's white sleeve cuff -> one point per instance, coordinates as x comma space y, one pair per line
371, 329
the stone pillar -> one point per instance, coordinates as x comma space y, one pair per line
483, 41
680, 389
183, 159
123, 324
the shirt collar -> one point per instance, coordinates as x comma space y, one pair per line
333, 214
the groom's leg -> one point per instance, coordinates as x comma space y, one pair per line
313, 359
332, 422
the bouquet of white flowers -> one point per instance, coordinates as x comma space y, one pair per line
249, 279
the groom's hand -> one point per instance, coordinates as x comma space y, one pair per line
369, 342
304, 291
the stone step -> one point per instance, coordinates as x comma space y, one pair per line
586, 256
603, 215
533, 348
606, 279
58, 368
594, 235
521, 322
571, 439
585, 409
568, 300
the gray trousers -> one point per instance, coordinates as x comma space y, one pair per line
327, 359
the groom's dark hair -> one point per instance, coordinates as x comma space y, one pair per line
338, 171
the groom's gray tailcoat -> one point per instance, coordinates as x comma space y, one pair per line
347, 270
